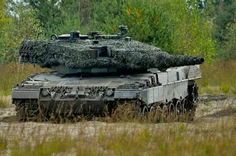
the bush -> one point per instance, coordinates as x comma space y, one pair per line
168, 24
228, 50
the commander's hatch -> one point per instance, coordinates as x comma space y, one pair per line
100, 52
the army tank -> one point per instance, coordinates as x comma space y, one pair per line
94, 74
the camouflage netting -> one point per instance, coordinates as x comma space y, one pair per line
124, 54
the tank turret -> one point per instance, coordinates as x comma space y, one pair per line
100, 53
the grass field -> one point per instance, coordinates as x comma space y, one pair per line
128, 139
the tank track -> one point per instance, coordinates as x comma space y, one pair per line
174, 110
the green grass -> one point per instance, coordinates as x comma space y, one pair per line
44, 148
171, 142
3, 144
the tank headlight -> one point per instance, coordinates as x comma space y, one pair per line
101, 93
53, 94
109, 92
44, 92
87, 92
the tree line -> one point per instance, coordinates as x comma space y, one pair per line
193, 27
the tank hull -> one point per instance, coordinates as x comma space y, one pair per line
51, 95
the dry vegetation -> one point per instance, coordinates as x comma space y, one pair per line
219, 78
4, 101
13, 73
